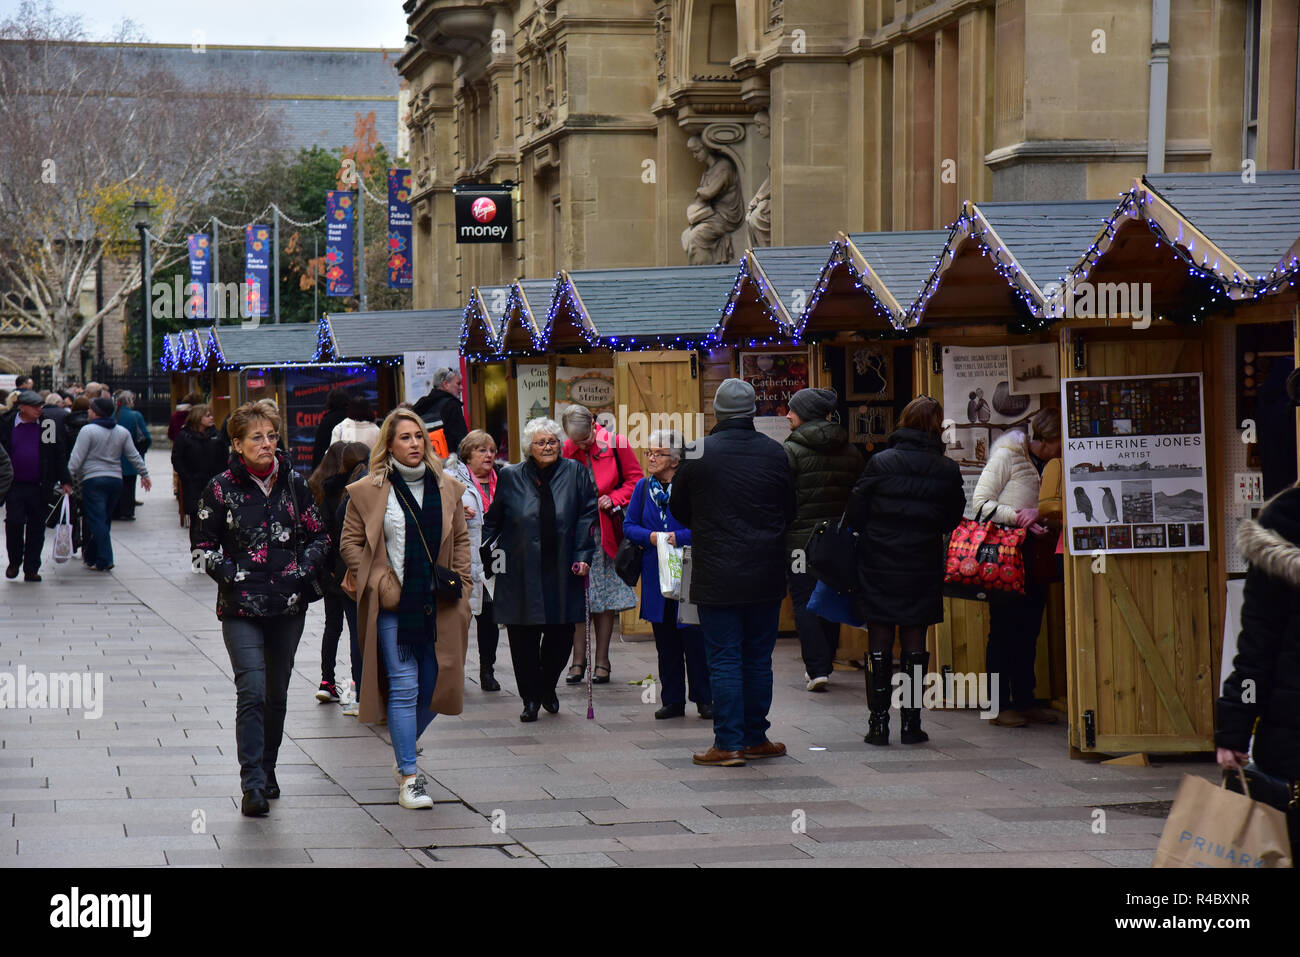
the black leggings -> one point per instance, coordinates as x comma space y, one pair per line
881, 637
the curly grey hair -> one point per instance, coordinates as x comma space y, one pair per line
534, 427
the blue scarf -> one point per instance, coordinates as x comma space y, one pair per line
659, 494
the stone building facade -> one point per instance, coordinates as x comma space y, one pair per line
633, 127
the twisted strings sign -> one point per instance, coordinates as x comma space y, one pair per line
257, 269
338, 243
399, 229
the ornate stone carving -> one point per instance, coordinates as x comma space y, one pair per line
759, 214
775, 14
718, 209
661, 43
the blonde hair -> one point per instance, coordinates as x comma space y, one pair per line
379, 455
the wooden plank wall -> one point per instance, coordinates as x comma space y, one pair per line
1142, 632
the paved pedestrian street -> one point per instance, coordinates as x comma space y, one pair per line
154, 781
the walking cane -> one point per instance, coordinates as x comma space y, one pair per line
586, 594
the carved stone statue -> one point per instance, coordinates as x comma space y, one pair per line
718, 209
759, 214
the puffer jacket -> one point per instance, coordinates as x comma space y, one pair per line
257, 548
1009, 480
1268, 648
904, 507
824, 466
734, 492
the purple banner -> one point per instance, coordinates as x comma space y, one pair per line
196, 293
399, 229
338, 242
257, 270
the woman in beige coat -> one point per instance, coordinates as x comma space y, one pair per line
406, 546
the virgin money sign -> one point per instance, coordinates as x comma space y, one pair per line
484, 214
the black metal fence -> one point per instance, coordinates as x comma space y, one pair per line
153, 398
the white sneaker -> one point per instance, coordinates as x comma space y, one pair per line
412, 794
352, 710
820, 683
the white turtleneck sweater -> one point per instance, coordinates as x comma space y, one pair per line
395, 515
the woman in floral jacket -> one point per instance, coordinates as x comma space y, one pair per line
262, 540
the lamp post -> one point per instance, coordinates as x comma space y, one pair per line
141, 208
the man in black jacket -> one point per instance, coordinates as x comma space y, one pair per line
734, 492
336, 410
39, 457
443, 404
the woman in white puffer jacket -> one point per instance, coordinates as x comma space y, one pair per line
1010, 484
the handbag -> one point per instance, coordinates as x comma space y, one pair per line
1267, 788
826, 602
984, 557
627, 561
63, 534
832, 555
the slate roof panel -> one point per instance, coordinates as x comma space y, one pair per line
1047, 239
1254, 223
266, 344
658, 301
790, 268
359, 334
903, 261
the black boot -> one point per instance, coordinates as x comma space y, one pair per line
915, 665
880, 666
487, 681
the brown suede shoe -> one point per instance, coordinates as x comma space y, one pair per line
1042, 716
720, 759
768, 749
1010, 719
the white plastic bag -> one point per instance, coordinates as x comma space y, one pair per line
670, 568
63, 533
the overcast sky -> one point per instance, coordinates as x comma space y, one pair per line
319, 23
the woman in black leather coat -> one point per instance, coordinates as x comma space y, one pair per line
537, 541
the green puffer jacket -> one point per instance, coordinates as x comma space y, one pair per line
824, 466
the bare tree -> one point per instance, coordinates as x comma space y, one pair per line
88, 129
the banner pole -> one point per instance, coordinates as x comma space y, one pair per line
216, 267
361, 243
275, 260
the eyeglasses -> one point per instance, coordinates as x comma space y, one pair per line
260, 439
546, 444
657, 454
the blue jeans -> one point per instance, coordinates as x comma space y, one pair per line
738, 643
261, 655
410, 689
99, 499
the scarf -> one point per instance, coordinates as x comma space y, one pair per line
548, 537
659, 494
417, 622
487, 486
265, 480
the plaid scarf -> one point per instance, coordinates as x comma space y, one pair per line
417, 621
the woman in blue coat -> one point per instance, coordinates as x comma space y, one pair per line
647, 519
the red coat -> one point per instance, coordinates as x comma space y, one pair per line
606, 472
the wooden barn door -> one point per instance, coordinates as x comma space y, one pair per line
655, 390
1142, 668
